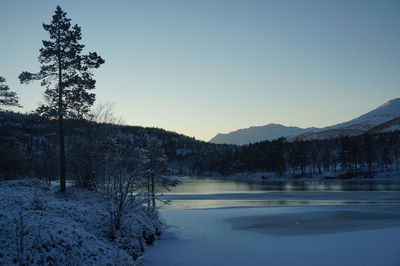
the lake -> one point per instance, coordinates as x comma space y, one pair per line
236, 222
199, 193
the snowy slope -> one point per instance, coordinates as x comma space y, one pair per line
385, 112
326, 134
375, 118
379, 116
391, 125
258, 133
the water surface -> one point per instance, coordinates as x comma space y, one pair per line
194, 193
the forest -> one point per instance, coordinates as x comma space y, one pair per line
97, 146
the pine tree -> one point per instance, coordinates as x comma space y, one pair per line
157, 171
67, 76
7, 97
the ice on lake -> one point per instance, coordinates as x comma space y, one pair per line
223, 222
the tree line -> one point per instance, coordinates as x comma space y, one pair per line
346, 156
28, 148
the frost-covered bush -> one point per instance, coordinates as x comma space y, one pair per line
40, 226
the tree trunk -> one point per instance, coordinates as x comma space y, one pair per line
62, 149
148, 193
153, 197
61, 124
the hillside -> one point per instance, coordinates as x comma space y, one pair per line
28, 145
388, 126
374, 119
380, 115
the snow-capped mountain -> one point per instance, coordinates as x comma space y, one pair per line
258, 133
385, 112
379, 116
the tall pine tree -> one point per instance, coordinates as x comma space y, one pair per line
67, 76
7, 97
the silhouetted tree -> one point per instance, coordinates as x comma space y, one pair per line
369, 152
7, 97
157, 167
278, 155
66, 74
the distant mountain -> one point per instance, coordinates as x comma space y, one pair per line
258, 133
375, 118
381, 114
378, 117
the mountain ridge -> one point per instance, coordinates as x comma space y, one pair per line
258, 133
385, 112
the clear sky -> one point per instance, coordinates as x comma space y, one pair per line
213, 66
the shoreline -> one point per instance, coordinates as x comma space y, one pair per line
325, 176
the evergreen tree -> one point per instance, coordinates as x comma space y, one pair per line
67, 76
157, 171
7, 97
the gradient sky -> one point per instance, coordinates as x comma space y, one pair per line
213, 66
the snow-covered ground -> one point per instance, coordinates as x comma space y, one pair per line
40, 226
316, 235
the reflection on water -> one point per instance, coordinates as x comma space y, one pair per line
209, 204
195, 193
212, 186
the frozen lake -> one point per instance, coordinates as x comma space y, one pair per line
226, 222
279, 236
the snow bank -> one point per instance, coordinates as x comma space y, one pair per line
38, 225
